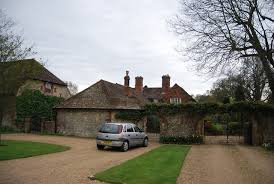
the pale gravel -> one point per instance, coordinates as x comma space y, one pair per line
68, 167
227, 164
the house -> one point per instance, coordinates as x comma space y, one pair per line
26, 74
44, 81
83, 113
165, 94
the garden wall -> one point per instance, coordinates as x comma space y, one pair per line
182, 124
46, 126
262, 128
86, 122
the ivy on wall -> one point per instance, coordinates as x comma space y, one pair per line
35, 104
134, 116
210, 108
196, 108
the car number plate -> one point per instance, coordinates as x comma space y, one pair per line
106, 142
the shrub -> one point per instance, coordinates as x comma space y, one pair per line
268, 146
234, 128
213, 129
192, 139
7, 129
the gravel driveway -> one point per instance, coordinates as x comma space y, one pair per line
215, 164
72, 166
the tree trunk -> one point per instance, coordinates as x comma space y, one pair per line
270, 76
1, 117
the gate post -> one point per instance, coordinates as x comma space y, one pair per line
27, 124
43, 124
145, 123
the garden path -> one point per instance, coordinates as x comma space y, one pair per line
227, 164
72, 166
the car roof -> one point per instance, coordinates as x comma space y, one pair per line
116, 123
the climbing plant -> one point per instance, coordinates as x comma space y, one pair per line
196, 108
35, 104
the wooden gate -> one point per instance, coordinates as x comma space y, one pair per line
153, 124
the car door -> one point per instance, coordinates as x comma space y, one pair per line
130, 135
138, 136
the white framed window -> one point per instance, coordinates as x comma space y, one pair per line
175, 100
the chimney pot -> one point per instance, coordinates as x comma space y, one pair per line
126, 79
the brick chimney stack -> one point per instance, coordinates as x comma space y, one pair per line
139, 84
126, 79
165, 87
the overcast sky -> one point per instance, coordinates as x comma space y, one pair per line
84, 41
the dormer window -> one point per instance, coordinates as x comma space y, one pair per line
175, 100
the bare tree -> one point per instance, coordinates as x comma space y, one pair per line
73, 88
12, 47
255, 80
223, 32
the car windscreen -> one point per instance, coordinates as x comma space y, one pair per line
111, 128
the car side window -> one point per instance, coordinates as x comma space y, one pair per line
129, 128
137, 129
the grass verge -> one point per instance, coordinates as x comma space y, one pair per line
13, 149
161, 165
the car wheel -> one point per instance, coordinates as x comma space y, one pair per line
145, 143
125, 146
100, 147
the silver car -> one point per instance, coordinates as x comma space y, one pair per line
122, 135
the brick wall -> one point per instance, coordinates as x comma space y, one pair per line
178, 92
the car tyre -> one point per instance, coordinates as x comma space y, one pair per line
125, 146
100, 147
145, 143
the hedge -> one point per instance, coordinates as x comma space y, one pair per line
192, 139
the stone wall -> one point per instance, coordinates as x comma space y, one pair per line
8, 110
57, 90
48, 127
183, 124
85, 122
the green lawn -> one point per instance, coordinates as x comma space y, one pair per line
11, 149
161, 165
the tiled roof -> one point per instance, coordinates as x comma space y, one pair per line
104, 95
152, 93
43, 75
156, 93
181, 92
